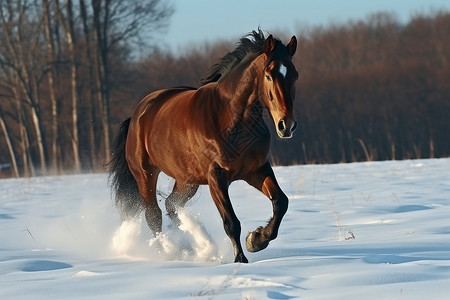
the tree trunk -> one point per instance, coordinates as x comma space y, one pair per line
92, 110
15, 170
100, 28
28, 167
52, 93
67, 23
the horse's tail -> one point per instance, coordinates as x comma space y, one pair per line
125, 187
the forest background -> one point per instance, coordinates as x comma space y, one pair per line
373, 89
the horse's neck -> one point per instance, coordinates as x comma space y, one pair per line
240, 89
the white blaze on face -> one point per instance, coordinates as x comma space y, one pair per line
283, 70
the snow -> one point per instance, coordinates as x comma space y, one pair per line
375, 230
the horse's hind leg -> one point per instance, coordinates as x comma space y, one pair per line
146, 177
264, 180
181, 194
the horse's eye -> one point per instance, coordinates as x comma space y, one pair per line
268, 78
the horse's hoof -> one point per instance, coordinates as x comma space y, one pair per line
255, 241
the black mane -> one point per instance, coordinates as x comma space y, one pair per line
249, 45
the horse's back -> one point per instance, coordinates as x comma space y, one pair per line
157, 101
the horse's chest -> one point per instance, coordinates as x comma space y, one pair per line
246, 144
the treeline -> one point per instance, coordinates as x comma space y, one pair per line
58, 64
374, 90
369, 90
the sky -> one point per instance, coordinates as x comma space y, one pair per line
197, 21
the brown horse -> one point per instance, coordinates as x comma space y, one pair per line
212, 135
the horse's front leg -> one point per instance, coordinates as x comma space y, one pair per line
218, 186
264, 180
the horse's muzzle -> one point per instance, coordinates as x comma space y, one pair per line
285, 130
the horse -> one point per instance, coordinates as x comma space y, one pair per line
212, 135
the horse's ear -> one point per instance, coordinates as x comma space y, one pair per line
292, 46
269, 45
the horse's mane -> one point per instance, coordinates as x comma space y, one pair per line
251, 44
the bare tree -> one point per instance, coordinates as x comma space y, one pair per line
51, 56
21, 42
67, 23
9, 144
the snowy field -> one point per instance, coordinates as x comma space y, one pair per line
378, 230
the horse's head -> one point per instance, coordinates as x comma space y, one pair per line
277, 91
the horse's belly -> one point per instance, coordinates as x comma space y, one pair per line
175, 155
183, 171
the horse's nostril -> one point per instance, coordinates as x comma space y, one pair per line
294, 126
281, 126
